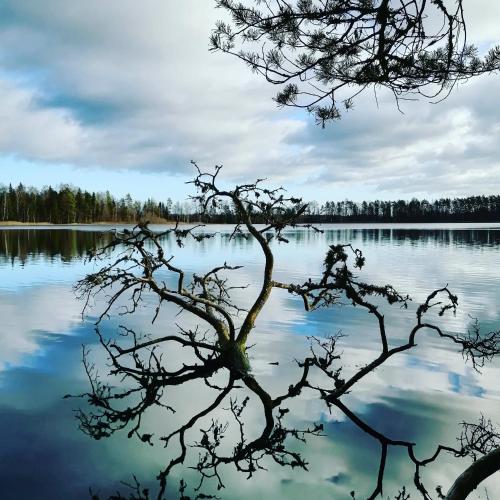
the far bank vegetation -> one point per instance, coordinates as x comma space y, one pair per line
72, 205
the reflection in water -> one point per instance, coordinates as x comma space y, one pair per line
429, 392
68, 244
398, 236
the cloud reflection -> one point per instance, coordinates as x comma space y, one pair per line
422, 397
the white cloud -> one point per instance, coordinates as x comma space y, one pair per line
140, 87
23, 334
29, 130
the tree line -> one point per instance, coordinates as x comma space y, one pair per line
470, 208
467, 209
68, 205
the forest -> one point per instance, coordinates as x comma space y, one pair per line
70, 205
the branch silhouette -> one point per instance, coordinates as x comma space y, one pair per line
134, 266
324, 53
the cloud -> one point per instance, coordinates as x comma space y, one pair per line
30, 130
134, 86
127, 85
449, 148
23, 334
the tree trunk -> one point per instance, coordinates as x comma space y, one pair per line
475, 474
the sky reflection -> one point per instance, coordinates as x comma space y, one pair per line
421, 397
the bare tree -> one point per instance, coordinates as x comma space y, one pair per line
135, 265
324, 53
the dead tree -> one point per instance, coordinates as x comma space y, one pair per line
324, 53
134, 265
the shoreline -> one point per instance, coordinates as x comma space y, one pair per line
77, 224
347, 224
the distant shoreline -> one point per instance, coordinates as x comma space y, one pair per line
345, 224
11, 223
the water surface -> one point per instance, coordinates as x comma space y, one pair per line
422, 396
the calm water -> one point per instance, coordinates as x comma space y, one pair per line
421, 397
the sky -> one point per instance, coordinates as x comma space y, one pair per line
121, 95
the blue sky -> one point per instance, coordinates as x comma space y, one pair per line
121, 95
143, 185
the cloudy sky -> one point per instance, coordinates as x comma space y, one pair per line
122, 94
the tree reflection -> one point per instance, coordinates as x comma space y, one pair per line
214, 353
66, 244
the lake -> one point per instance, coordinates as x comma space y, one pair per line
422, 396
